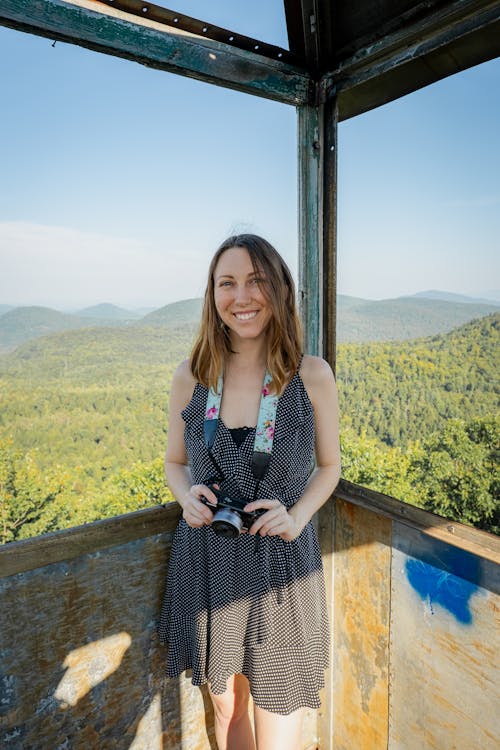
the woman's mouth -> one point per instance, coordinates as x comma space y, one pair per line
246, 315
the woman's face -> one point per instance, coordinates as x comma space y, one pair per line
239, 294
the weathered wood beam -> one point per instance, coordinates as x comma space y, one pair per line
28, 554
329, 230
317, 166
317, 142
456, 37
468, 538
310, 30
295, 27
310, 227
104, 29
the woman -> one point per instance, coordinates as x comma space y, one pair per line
248, 614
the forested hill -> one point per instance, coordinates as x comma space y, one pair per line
100, 356
105, 311
22, 324
403, 318
400, 391
84, 419
101, 394
358, 319
185, 312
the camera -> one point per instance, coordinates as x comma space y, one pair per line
229, 517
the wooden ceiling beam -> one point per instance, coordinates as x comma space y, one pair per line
295, 28
456, 37
309, 25
105, 29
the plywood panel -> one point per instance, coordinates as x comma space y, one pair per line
445, 666
81, 664
361, 628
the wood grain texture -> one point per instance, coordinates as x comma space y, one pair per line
310, 227
480, 543
81, 663
28, 554
98, 27
445, 661
456, 36
361, 628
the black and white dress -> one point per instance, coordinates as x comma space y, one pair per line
252, 605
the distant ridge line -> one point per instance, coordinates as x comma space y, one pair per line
359, 320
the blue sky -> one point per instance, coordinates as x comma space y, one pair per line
118, 182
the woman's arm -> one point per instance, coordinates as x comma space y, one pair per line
177, 472
320, 384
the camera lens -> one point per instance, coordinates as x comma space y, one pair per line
227, 522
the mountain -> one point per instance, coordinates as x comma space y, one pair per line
23, 323
186, 311
358, 319
452, 297
106, 311
26, 323
491, 294
403, 318
5, 308
345, 302
97, 398
403, 390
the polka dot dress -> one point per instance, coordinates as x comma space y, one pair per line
251, 605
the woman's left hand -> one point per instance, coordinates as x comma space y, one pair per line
276, 522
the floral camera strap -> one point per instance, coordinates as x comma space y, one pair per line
264, 433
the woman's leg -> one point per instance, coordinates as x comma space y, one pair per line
233, 730
277, 732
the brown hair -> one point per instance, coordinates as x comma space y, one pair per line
284, 335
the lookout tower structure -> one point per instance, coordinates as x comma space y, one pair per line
414, 598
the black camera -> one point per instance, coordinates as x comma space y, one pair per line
229, 517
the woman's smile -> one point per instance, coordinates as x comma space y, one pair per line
246, 315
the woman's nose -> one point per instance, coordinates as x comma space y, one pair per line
242, 294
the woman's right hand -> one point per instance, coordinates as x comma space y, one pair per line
194, 512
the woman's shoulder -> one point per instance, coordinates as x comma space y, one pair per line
183, 373
315, 370
317, 376
183, 383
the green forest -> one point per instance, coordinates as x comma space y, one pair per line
84, 420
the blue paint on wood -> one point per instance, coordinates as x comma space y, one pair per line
448, 579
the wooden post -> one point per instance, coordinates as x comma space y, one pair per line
317, 168
329, 114
310, 227
317, 156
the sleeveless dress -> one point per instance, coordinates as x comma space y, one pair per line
252, 605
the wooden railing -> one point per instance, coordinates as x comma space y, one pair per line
414, 602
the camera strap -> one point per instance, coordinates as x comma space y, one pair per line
264, 433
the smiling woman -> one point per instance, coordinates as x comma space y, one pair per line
245, 596
260, 277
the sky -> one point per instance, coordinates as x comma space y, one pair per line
118, 182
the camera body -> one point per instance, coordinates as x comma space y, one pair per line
230, 520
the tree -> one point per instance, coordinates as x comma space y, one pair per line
368, 462
28, 498
458, 470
